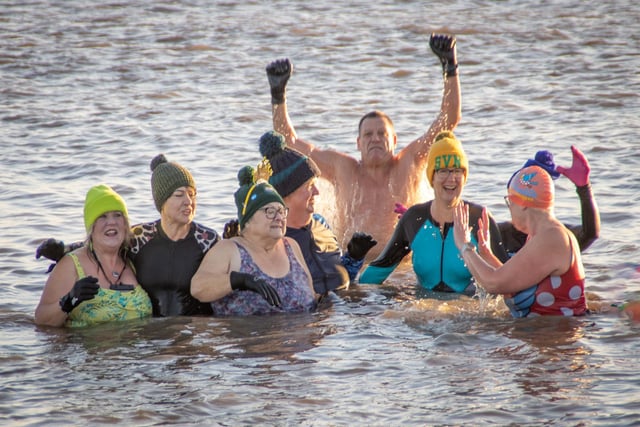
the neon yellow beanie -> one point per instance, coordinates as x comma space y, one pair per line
101, 199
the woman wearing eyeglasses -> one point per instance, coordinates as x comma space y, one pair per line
546, 276
260, 271
426, 229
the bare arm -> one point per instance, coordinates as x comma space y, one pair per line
212, 280
278, 74
450, 110
219, 274
545, 254
329, 161
59, 283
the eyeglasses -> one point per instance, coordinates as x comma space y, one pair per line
507, 201
270, 212
444, 173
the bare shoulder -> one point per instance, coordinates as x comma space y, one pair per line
334, 165
222, 255
224, 249
295, 247
551, 242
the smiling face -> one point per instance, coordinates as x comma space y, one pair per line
376, 140
110, 229
180, 207
448, 185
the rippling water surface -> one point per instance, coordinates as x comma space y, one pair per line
91, 91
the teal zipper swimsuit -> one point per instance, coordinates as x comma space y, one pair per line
436, 259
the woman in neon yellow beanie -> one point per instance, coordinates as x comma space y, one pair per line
166, 252
96, 283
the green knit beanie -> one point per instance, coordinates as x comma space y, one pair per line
252, 195
100, 200
166, 177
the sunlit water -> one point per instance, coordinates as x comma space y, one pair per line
91, 91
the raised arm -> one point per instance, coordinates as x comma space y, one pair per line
278, 74
330, 162
578, 173
444, 47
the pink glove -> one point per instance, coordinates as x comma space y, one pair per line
578, 173
400, 209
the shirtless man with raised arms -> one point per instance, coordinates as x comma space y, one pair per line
367, 190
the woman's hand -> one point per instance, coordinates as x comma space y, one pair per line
484, 237
461, 230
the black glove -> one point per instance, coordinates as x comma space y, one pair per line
445, 49
231, 229
278, 73
51, 249
247, 282
84, 289
359, 245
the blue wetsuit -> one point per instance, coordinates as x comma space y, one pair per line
436, 259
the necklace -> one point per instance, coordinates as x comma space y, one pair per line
115, 274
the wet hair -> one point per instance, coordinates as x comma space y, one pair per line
374, 114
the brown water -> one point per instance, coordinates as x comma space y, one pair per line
91, 91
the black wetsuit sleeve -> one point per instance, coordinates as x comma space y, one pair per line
397, 248
589, 231
497, 247
512, 239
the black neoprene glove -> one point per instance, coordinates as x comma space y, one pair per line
445, 49
359, 245
51, 249
278, 73
83, 290
231, 229
247, 282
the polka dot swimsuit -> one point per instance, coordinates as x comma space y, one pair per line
555, 295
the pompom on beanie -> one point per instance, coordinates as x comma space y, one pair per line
167, 177
291, 169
